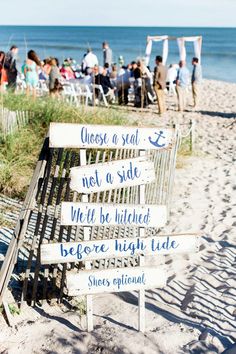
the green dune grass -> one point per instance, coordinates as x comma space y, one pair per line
19, 151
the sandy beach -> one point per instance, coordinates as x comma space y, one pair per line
196, 311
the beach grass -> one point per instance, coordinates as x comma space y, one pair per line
184, 152
19, 151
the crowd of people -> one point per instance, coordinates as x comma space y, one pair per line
115, 79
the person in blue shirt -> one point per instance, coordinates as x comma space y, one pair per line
196, 80
182, 83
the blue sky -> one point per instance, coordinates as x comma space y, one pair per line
210, 13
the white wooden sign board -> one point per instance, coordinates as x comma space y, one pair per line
95, 214
112, 175
69, 135
114, 280
67, 252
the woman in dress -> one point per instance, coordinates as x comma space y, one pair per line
31, 72
142, 76
3, 74
55, 86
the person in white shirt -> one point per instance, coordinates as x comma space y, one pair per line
87, 79
171, 78
90, 60
123, 85
171, 73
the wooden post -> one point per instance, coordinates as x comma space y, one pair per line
89, 298
141, 299
7, 313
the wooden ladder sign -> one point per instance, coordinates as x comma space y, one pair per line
85, 179
114, 280
112, 175
98, 214
66, 252
69, 135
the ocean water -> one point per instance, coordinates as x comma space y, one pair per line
218, 51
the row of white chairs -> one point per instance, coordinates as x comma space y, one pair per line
76, 92
73, 92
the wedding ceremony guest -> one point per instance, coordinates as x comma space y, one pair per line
66, 70
87, 78
121, 60
101, 78
106, 66
113, 74
182, 83
10, 67
89, 61
147, 82
123, 85
133, 65
107, 54
159, 84
31, 72
137, 86
196, 80
3, 74
42, 74
46, 67
171, 78
142, 76
55, 86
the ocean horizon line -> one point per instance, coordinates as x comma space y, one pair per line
117, 26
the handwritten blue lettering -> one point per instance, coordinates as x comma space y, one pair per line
93, 138
125, 280
104, 217
124, 217
129, 246
166, 244
109, 178
96, 282
131, 174
91, 181
81, 251
78, 216
115, 139
131, 139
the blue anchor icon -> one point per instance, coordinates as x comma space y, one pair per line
156, 142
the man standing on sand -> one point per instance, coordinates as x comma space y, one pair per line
159, 84
107, 54
196, 80
90, 60
182, 83
10, 67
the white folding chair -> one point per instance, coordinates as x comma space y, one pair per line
131, 89
42, 88
20, 84
101, 95
83, 91
69, 93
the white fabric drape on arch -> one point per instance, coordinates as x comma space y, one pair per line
151, 39
197, 42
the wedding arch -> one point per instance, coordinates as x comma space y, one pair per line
197, 42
